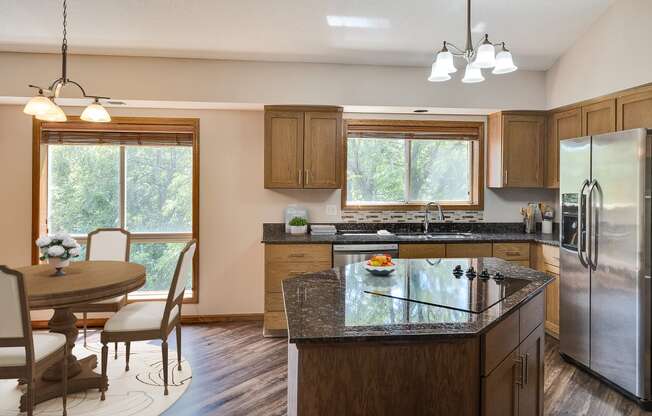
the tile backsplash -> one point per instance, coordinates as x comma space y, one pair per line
409, 216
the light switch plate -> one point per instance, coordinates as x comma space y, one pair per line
331, 210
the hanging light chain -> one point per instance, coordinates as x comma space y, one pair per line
64, 44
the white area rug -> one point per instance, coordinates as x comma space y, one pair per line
136, 392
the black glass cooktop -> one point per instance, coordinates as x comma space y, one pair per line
432, 282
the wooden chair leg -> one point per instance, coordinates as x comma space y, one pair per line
85, 327
30, 396
164, 350
128, 348
116, 351
178, 331
105, 358
64, 374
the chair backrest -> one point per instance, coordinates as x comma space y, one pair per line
15, 323
108, 244
182, 275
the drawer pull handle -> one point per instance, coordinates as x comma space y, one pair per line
297, 255
526, 358
512, 253
518, 366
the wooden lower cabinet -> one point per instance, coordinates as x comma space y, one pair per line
546, 259
468, 250
421, 251
515, 386
283, 261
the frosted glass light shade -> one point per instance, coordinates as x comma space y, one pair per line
54, 114
445, 61
95, 113
485, 57
504, 63
38, 105
438, 73
472, 75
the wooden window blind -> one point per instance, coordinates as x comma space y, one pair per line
116, 134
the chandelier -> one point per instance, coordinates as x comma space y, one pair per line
43, 105
481, 56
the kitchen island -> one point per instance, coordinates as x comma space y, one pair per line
421, 341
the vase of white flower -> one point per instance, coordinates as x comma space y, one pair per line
58, 249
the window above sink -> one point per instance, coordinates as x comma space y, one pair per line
401, 165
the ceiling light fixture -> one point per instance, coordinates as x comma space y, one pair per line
44, 107
481, 56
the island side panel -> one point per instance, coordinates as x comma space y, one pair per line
439, 377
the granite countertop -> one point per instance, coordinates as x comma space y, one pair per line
275, 234
335, 305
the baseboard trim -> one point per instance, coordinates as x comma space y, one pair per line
187, 319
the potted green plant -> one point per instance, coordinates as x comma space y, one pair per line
298, 225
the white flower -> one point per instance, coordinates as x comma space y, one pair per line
73, 252
43, 241
69, 243
56, 251
61, 236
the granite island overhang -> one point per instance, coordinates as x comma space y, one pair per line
420, 341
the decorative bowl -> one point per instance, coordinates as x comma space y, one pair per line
379, 270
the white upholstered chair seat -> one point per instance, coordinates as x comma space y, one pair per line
44, 345
140, 316
117, 299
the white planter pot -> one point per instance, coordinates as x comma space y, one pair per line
58, 264
298, 229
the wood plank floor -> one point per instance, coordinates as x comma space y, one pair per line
238, 372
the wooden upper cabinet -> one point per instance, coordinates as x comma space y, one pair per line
515, 150
634, 109
283, 149
322, 141
562, 125
599, 117
303, 146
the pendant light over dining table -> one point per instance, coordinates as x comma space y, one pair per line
481, 56
43, 105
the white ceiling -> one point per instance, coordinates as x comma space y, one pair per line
394, 32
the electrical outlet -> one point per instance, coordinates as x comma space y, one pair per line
331, 210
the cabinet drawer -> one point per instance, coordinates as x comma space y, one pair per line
275, 273
275, 321
551, 255
468, 250
512, 251
499, 341
274, 302
421, 251
532, 314
308, 253
551, 269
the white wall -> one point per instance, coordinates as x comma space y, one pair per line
197, 80
615, 54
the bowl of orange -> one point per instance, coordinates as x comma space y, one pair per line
380, 265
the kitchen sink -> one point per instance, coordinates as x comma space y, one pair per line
432, 236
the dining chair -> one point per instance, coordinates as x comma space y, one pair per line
23, 355
145, 321
105, 244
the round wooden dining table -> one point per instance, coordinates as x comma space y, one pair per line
83, 282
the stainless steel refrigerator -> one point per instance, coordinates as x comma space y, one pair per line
605, 284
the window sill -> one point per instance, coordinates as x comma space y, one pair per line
159, 295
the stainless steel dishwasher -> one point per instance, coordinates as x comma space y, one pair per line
344, 254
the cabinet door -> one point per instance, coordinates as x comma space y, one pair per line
563, 125
530, 396
599, 118
634, 110
552, 307
500, 389
283, 149
523, 145
323, 135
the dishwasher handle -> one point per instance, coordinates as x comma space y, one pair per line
364, 248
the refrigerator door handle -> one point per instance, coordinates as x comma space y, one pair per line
580, 230
592, 225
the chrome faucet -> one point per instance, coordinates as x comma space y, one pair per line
426, 218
